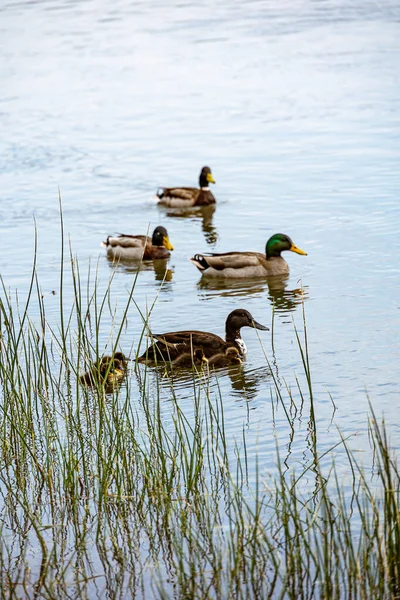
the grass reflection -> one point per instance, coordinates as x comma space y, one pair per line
127, 495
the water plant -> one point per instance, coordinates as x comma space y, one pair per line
122, 494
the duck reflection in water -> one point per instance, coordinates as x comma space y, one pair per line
246, 382
159, 266
197, 213
284, 300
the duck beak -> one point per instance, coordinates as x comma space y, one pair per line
294, 248
210, 178
167, 244
258, 326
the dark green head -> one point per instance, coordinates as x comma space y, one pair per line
160, 238
206, 177
280, 242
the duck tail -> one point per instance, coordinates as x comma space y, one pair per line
105, 244
160, 192
200, 262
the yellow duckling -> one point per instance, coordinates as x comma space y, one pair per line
108, 370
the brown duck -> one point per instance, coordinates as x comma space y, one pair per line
229, 357
248, 264
139, 247
168, 346
185, 197
108, 370
187, 359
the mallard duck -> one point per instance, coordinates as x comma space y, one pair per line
187, 359
185, 197
229, 357
171, 345
139, 247
108, 370
248, 264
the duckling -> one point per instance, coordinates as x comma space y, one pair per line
230, 357
139, 247
248, 264
185, 197
108, 370
198, 359
119, 359
169, 346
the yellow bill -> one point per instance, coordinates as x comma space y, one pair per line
210, 178
297, 250
167, 244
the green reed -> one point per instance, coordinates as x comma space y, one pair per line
119, 493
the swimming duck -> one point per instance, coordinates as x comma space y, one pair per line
248, 264
139, 247
169, 346
198, 359
109, 369
229, 357
185, 197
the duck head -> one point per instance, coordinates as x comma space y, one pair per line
240, 318
160, 238
280, 242
199, 357
206, 177
232, 352
233, 355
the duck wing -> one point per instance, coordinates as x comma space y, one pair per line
123, 240
183, 193
173, 344
229, 260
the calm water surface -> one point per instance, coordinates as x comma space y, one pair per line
295, 106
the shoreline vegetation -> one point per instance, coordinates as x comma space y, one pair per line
102, 496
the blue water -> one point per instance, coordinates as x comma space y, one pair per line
295, 106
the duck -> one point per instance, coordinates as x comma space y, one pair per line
248, 264
230, 357
171, 345
185, 197
108, 370
139, 247
187, 359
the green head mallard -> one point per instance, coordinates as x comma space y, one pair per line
249, 264
186, 197
139, 247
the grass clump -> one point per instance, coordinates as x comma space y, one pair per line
121, 494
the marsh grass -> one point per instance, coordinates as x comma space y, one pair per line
102, 495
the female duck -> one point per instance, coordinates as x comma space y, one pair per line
169, 346
249, 264
185, 197
139, 247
